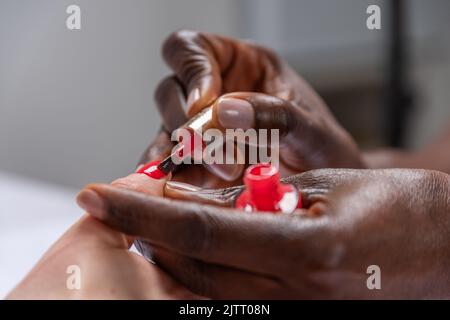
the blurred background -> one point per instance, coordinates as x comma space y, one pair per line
76, 106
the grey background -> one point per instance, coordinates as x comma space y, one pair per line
77, 106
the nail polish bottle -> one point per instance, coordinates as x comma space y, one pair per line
197, 126
264, 191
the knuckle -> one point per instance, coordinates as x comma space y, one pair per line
178, 41
194, 68
317, 180
436, 177
422, 183
188, 54
124, 183
437, 189
180, 36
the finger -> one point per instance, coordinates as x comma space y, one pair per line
220, 197
300, 138
245, 110
313, 185
136, 182
208, 65
171, 101
158, 149
322, 181
190, 55
209, 233
215, 281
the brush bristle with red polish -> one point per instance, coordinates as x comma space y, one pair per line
160, 169
183, 151
152, 170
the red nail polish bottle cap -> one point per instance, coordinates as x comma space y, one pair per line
265, 192
262, 180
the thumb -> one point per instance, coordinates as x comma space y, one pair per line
247, 110
90, 201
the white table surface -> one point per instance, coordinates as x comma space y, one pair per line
33, 215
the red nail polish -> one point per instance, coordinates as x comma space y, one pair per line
196, 125
182, 151
265, 192
152, 170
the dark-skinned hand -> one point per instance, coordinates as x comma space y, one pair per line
397, 219
249, 87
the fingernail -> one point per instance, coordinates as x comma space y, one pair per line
90, 201
193, 96
152, 170
181, 186
235, 113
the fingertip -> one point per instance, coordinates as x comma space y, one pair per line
91, 202
235, 113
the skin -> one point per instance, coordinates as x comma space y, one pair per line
108, 269
322, 252
209, 68
221, 67
396, 219
434, 156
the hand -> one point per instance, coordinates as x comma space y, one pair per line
396, 219
108, 270
251, 87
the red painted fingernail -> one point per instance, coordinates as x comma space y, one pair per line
151, 170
